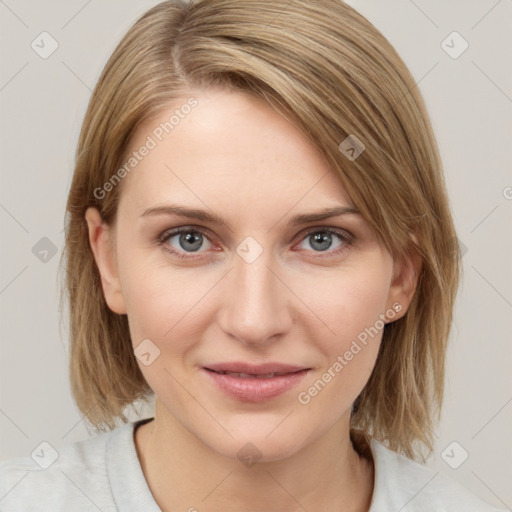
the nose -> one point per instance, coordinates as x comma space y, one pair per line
255, 308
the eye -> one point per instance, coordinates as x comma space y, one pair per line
183, 241
324, 240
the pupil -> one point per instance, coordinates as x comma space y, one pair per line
189, 238
324, 239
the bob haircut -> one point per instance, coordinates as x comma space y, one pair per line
328, 70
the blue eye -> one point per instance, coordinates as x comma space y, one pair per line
191, 240
322, 240
188, 240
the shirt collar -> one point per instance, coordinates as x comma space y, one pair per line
132, 494
129, 487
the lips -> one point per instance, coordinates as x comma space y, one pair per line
252, 375
255, 383
254, 370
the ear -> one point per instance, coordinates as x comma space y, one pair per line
103, 248
406, 272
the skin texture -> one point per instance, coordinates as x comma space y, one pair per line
295, 304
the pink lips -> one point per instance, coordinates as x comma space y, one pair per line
255, 383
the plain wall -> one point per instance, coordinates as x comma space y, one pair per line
470, 102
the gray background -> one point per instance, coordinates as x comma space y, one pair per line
470, 102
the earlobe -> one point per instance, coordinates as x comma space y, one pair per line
104, 255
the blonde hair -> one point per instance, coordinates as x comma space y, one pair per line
333, 74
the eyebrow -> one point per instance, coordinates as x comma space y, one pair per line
212, 218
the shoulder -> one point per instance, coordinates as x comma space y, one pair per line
403, 484
74, 477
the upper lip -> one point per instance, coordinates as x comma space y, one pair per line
253, 369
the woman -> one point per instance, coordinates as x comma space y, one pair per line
258, 238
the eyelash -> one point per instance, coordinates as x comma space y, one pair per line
345, 237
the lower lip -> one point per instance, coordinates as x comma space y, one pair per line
255, 389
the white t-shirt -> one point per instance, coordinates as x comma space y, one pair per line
103, 473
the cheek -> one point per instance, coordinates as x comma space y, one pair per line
164, 304
164, 307
352, 301
352, 306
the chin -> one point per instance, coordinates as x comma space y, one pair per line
251, 443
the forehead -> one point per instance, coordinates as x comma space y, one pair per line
230, 151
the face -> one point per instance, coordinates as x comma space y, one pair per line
262, 327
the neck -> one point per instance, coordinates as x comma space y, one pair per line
185, 474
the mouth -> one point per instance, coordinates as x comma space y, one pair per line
255, 383
252, 375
